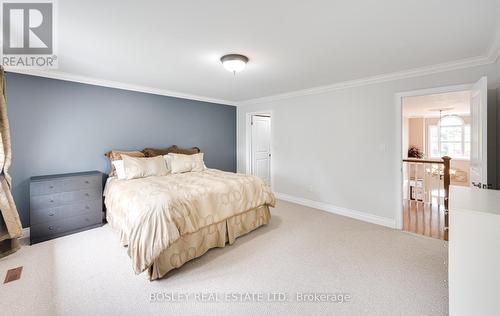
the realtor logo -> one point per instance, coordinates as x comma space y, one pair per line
28, 34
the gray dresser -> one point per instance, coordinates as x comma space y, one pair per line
64, 204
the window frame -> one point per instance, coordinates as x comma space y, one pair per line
462, 142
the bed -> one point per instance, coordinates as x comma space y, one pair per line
166, 221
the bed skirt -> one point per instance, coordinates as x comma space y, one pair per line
194, 245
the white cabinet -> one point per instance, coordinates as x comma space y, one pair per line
474, 252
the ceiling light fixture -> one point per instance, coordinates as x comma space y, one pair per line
234, 62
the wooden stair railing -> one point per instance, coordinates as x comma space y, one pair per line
446, 180
419, 197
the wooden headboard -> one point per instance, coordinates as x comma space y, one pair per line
152, 152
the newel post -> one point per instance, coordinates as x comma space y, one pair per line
446, 184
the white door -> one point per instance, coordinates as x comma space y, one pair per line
261, 147
478, 150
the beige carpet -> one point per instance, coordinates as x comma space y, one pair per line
385, 272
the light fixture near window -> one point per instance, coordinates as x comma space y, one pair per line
234, 62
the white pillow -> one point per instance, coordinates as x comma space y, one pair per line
179, 163
120, 169
144, 167
168, 162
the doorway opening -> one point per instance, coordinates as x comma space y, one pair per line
443, 143
259, 148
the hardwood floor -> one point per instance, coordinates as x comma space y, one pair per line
424, 218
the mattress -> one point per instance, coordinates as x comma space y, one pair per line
155, 216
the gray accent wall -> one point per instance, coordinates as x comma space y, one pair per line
61, 127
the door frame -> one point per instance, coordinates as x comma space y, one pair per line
248, 136
398, 100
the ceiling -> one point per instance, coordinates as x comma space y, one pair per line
429, 105
173, 47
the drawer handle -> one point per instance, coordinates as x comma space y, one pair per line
51, 201
51, 187
87, 181
51, 227
52, 213
86, 194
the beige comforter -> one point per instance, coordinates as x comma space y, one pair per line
152, 213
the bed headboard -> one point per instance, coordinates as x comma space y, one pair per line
152, 152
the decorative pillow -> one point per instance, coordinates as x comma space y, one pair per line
119, 168
117, 155
153, 152
168, 160
179, 163
144, 167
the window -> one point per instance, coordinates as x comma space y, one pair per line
450, 137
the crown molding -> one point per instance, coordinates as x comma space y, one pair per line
116, 85
411, 73
494, 52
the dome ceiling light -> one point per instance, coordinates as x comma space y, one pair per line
234, 62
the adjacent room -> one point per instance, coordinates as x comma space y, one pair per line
436, 128
249, 158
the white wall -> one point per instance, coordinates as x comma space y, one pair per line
343, 144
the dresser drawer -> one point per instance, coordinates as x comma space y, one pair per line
51, 186
62, 204
41, 231
43, 215
81, 221
60, 227
45, 187
59, 199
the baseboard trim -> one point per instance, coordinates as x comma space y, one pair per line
362, 216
